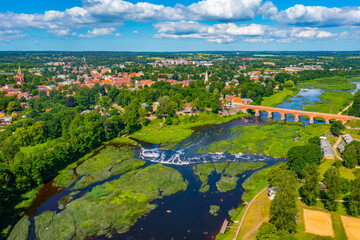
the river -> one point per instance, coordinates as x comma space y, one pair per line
185, 215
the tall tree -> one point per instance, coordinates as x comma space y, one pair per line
311, 188
333, 188
354, 205
283, 210
350, 156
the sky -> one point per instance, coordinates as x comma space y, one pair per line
168, 25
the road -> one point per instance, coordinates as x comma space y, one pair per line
246, 210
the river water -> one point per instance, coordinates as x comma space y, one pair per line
185, 215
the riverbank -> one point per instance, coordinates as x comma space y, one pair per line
279, 97
331, 102
256, 213
177, 133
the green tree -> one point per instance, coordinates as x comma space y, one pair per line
333, 188
336, 128
350, 156
283, 212
268, 231
311, 188
354, 205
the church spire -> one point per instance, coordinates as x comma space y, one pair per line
206, 77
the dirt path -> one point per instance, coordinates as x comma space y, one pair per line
255, 229
346, 108
246, 210
335, 148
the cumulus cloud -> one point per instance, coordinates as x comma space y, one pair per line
319, 16
230, 32
96, 32
224, 10
110, 13
8, 35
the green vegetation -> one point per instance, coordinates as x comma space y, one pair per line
331, 102
329, 84
125, 140
113, 205
355, 108
229, 173
177, 133
214, 209
21, 230
109, 162
255, 183
203, 171
279, 97
353, 123
283, 212
220, 166
226, 183
273, 140
201, 150
237, 168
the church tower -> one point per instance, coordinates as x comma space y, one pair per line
19, 77
206, 77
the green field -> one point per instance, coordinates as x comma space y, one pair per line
278, 97
329, 84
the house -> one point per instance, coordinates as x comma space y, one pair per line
326, 148
341, 148
348, 138
240, 101
271, 192
4, 121
187, 108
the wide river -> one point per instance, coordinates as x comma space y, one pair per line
185, 215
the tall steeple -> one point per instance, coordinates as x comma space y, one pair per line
206, 77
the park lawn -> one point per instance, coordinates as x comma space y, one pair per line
255, 183
338, 228
344, 172
331, 102
257, 214
177, 133
329, 84
278, 98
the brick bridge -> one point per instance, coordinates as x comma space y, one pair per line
296, 113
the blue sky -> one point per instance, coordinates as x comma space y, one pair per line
167, 25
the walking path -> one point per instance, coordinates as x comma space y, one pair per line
346, 108
246, 210
335, 148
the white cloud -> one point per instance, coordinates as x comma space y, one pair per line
96, 32
224, 10
319, 16
230, 32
